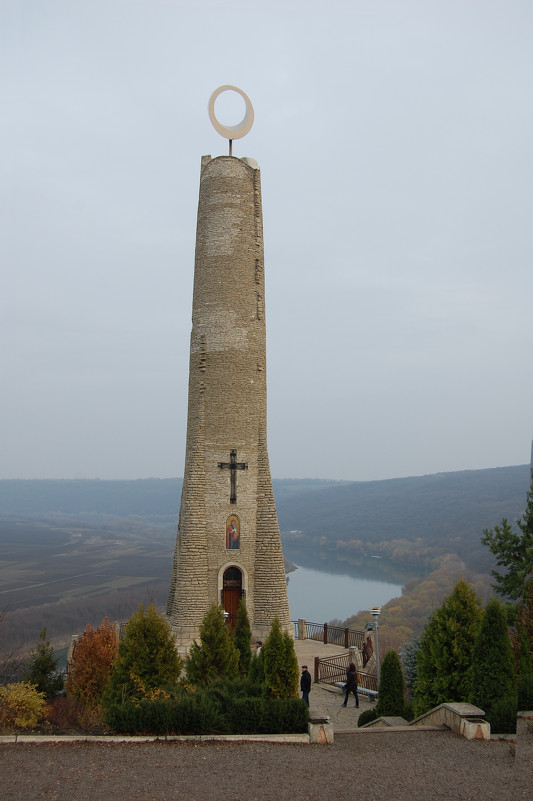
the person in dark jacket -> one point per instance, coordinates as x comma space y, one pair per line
305, 684
351, 684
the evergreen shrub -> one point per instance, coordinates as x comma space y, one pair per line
285, 715
391, 696
502, 716
43, 669
408, 658
242, 635
494, 682
188, 715
367, 716
257, 668
525, 678
203, 713
147, 660
525, 691
445, 658
245, 716
280, 663
224, 691
216, 656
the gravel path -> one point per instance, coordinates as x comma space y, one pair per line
385, 766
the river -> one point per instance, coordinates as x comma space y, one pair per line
318, 596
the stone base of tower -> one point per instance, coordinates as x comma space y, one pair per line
184, 638
262, 632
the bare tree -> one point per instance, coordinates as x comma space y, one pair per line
11, 653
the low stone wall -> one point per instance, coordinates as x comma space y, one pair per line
463, 719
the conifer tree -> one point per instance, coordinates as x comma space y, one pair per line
147, 657
446, 646
280, 663
514, 552
527, 616
216, 656
257, 668
525, 675
408, 658
493, 674
291, 670
43, 670
391, 695
242, 636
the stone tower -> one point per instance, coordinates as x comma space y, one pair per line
228, 543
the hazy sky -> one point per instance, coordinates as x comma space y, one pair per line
394, 139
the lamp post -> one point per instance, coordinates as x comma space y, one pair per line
375, 612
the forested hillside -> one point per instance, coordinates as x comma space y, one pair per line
410, 522
406, 520
72, 551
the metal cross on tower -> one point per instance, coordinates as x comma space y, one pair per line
232, 466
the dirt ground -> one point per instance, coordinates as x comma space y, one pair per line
357, 767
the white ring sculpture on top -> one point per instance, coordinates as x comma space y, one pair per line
231, 132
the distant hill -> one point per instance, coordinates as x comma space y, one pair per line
407, 520
74, 550
91, 498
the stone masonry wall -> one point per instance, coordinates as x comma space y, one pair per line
227, 410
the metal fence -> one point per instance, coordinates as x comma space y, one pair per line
332, 635
332, 670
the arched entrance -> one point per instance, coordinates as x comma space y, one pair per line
232, 593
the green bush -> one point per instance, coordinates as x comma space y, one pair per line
445, 659
525, 692
245, 716
502, 716
367, 716
216, 656
224, 691
257, 668
408, 658
280, 663
187, 715
209, 712
268, 716
43, 669
285, 715
525, 678
242, 636
391, 696
494, 682
147, 659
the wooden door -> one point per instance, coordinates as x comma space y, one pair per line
232, 596
232, 592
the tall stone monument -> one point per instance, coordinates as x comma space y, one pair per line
228, 544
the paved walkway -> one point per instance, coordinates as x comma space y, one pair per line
324, 698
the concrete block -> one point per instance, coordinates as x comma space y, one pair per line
320, 733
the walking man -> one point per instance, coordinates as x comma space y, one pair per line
305, 684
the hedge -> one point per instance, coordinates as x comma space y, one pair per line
200, 714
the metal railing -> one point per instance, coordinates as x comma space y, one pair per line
332, 635
332, 670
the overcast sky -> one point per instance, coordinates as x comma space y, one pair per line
394, 139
